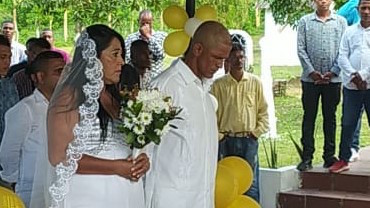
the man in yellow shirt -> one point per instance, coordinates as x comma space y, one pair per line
242, 114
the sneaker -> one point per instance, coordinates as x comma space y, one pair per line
339, 166
329, 162
304, 165
354, 156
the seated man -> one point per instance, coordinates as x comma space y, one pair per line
135, 74
25, 126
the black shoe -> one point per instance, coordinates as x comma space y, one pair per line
329, 162
304, 165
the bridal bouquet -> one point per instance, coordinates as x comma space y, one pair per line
145, 116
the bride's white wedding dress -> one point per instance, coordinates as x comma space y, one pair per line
104, 191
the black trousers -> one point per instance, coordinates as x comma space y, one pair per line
330, 97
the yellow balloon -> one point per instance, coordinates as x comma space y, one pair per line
205, 13
176, 43
241, 170
226, 187
175, 17
242, 201
10, 199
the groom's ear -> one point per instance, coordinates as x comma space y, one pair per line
197, 49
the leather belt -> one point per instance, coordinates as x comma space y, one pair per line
239, 134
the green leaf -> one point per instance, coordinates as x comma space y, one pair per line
130, 138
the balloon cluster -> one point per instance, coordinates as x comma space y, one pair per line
234, 177
176, 17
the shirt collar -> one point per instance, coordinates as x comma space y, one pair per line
185, 72
39, 97
362, 28
189, 77
244, 77
332, 16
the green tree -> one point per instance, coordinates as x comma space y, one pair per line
289, 12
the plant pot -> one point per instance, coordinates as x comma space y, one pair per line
272, 181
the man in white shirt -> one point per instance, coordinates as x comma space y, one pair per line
354, 61
184, 163
25, 125
18, 50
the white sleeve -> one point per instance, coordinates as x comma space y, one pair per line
17, 127
343, 57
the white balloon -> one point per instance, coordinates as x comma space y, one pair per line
191, 26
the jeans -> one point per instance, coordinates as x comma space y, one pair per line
330, 97
356, 136
246, 148
353, 102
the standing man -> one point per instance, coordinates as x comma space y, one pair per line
25, 126
350, 12
136, 73
241, 114
22, 78
48, 35
354, 60
155, 41
18, 50
319, 35
184, 163
8, 89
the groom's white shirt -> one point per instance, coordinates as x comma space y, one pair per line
184, 164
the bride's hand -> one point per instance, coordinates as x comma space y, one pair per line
124, 168
141, 166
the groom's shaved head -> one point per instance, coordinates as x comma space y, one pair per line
211, 33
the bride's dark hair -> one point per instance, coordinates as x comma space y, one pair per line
102, 36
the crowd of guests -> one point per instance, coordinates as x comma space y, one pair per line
59, 116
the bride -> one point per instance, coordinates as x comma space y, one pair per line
92, 165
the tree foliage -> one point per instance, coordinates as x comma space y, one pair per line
289, 12
73, 15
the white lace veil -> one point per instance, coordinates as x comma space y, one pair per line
82, 81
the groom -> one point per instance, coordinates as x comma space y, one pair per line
184, 163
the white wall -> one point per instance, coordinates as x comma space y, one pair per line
281, 43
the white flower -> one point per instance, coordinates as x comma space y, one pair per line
130, 103
158, 132
135, 120
127, 123
138, 129
145, 118
141, 139
165, 129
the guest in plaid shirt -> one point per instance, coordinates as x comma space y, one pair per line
319, 35
155, 42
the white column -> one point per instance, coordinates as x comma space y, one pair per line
267, 82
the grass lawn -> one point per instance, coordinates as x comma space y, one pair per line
289, 118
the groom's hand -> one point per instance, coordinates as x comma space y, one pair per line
141, 166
